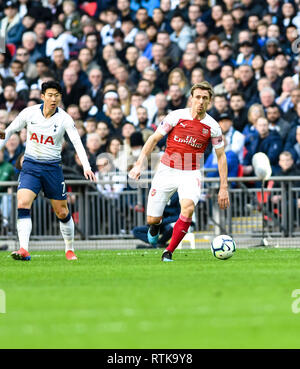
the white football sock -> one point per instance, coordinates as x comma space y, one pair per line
24, 227
67, 231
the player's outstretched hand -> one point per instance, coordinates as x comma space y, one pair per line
2, 134
135, 172
90, 175
223, 199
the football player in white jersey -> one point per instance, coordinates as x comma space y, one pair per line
46, 125
189, 132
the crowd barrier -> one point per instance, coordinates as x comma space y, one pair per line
114, 215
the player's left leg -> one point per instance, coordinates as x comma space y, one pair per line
66, 224
189, 192
183, 223
54, 188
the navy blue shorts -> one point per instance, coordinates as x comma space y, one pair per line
49, 177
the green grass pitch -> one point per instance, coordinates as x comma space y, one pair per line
130, 299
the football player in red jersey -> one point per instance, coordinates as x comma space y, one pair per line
189, 132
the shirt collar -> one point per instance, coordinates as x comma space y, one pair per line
42, 107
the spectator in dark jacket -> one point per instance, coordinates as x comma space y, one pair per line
263, 140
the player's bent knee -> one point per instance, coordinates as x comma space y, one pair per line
153, 220
62, 214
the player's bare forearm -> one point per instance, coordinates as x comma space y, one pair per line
223, 170
223, 196
146, 151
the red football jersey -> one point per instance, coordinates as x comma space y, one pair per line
188, 138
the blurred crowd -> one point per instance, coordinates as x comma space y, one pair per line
124, 65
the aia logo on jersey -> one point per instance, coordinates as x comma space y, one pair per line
153, 192
42, 139
205, 131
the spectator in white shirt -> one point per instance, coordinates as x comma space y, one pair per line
60, 39
235, 139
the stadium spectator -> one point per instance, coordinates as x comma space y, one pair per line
11, 101
88, 109
60, 39
247, 85
177, 98
171, 48
229, 32
72, 90
29, 68
220, 106
59, 63
110, 99
114, 147
182, 33
225, 53
234, 139
294, 149
226, 71
85, 58
70, 18
12, 17
142, 43
107, 171
277, 123
29, 41
144, 88
189, 62
291, 114
263, 140
177, 77
104, 133
238, 110
13, 149
213, 69
14, 36
116, 120
255, 111
18, 76
284, 100
267, 97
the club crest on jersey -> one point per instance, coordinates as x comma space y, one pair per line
153, 192
205, 131
42, 139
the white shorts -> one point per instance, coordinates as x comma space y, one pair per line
166, 181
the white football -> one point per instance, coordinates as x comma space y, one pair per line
223, 247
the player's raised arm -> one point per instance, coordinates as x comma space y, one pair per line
76, 141
223, 197
146, 151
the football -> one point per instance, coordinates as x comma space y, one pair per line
223, 247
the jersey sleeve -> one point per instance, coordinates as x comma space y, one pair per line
167, 124
76, 141
15, 126
216, 136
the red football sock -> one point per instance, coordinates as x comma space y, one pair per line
180, 229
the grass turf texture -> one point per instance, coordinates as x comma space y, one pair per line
129, 299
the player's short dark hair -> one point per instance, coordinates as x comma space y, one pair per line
51, 84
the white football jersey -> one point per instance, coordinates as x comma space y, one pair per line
45, 136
